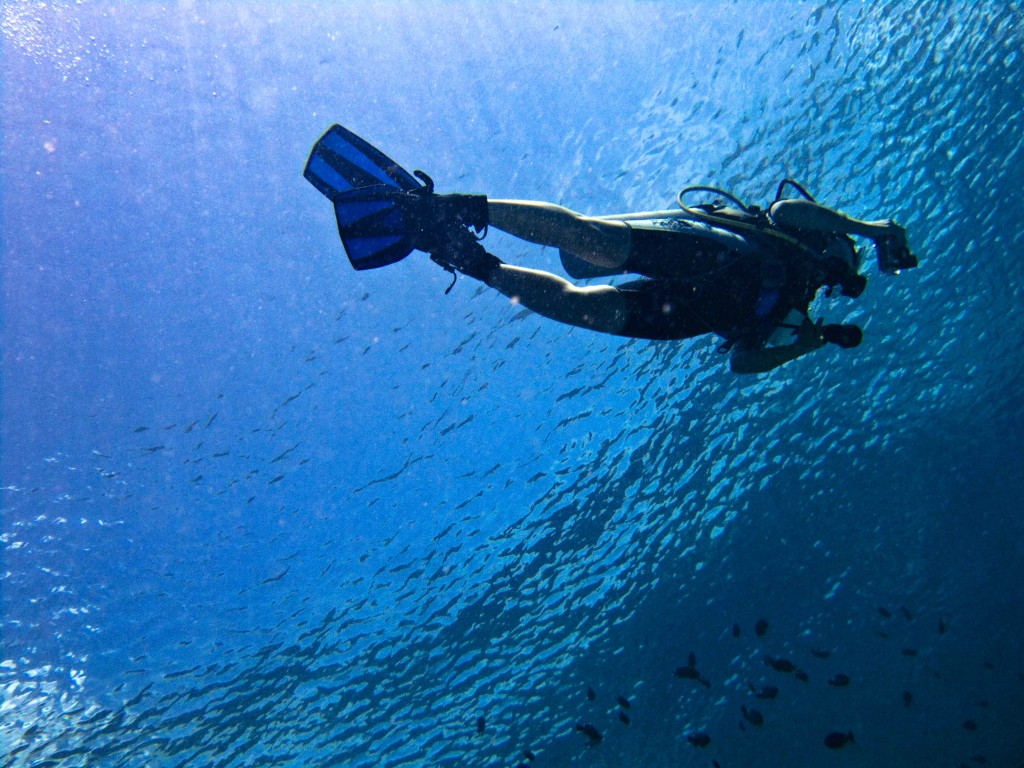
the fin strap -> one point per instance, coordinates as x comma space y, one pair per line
447, 268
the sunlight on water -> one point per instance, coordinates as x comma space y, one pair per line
50, 33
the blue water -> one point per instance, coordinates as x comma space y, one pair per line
260, 509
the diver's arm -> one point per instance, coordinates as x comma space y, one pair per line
605, 243
599, 307
803, 214
761, 359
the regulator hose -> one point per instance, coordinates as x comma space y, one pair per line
704, 215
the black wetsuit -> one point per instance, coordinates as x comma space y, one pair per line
694, 285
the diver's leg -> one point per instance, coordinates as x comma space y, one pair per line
598, 308
643, 309
605, 243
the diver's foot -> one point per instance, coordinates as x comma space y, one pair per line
462, 251
430, 219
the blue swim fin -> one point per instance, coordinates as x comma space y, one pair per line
364, 184
372, 227
342, 162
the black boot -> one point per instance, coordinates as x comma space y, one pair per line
462, 251
431, 219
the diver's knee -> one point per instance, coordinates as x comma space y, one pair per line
608, 243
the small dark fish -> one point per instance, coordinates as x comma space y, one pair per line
735, 630
780, 665
481, 724
137, 430
908, 699
689, 673
970, 725
766, 692
989, 665
761, 627
278, 577
839, 680
980, 759
593, 735
885, 612
590, 694
906, 613
284, 455
529, 755
820, 654
623, 701
800, 675
624, 718
752, 716
699, 739
909, 652
942, 627
837, 739
883, 635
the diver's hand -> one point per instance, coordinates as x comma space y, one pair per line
759, 359
846, 336
809, 337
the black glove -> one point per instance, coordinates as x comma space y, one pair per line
845, 336
853, 286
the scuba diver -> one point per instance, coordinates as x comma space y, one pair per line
744, 274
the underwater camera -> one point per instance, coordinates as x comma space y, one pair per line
893, 256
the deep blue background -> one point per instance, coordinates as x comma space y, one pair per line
261, 509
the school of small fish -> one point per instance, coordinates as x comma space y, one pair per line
842, 737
